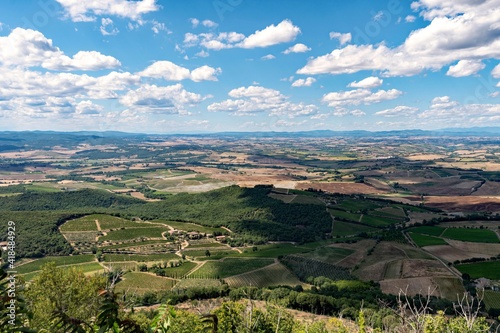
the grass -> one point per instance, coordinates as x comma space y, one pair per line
133, 233
229, 267
428, 230
303, 199
487, 269
424, 240
274, 275
59, 261
273, 250
140, 283
330, 255
341, 228
471, 235
140, 257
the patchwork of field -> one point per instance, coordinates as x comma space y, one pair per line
272, 275
140, 283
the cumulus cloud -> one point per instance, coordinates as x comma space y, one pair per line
410, 18
209, 24
443, 108
194, 22
342, 38
170, 99
108, 28
256, 99
297, 48
30, 48
86, 11
171, 72
458, 30
158, 27
359, 96
342, 112
284, 32
304, 82
465, 68
88, 107
368, 83
398, 111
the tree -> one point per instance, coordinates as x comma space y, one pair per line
207, 253
66, 293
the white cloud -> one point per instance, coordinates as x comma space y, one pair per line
86, 11
304, 82
268, 57
194, 22
169, 71
496, 72
202, 54
158, 27
209, 24
342, 112
297, 48
108, 28
458, 30
30, 48
367, 83
410, 18
255, 99
446, 109
359, 96
88, 107
342, 38
465, 68
284, 32
1, 26
398, 111
170, 99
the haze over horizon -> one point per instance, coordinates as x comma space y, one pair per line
156, 66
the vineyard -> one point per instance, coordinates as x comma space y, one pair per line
272, 275
491, 299
306, 267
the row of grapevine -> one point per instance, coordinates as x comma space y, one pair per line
306, 267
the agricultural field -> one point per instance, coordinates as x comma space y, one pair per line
134, 233
308, 267
86, 223
344, 229
428, 230
424, 240
491, 299
272, 275
139, 283
273, 250
189, 282
472, 235
188, 227
139, 257
37, 264
329, 255
229, 267
487, 269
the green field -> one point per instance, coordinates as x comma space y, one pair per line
424, 240
330, 255
135, 244
181, 271
134, 233
140, 257
428, 230
471, 235
112, 222
59, 261
307, 267
303, 199
139, 282
345, 215
488, 269
214, 254
354, 205
342, 229
86, 223
274, 250
229, 267
206, 245
191, 227
377, 221
491, 299
197, 283
274, 275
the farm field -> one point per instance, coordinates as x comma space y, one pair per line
273, 250
196, 283
487, 269
228, 267
424, 240
272, 275
190, 227
134, 233
428, 230
139, 258
491, 299
343, 229
471, 235
329, 255
59, 261
307, 267
139, 283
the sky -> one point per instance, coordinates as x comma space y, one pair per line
191, 66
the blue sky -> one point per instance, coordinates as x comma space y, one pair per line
248, 65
